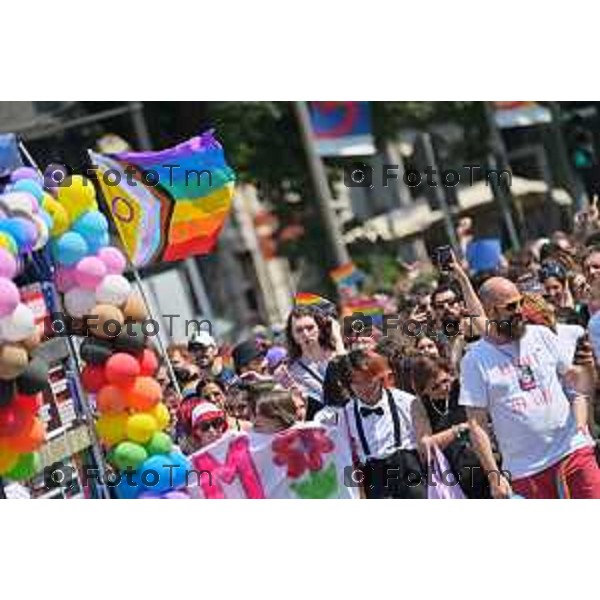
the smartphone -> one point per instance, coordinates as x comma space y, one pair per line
443, 258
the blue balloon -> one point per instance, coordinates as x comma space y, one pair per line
96, 243
155, 475
22, 230
28, 185
125, 491
70, 248
91, 225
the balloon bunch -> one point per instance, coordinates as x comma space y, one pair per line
24, 227
120, 366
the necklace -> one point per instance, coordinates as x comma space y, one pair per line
443, 413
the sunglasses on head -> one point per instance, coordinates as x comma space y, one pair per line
216, 424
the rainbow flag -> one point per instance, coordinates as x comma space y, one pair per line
170, 204
310, 299
347, 275
369, 307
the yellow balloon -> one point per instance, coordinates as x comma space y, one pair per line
8, 459
60, 218
161, 413
7, 242
77, 195
112, 428
141, 427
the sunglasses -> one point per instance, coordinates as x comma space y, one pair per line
514, 305
216, 424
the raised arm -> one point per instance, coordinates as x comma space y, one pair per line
472, 302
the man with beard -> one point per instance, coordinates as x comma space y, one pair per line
204, 350
512, 376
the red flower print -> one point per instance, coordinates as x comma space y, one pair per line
301, 450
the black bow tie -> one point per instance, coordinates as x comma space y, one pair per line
365, 411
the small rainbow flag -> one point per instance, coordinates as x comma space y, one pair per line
369, 307
310, 299
170, 204
347, 275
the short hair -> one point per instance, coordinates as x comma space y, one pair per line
424, 370
446, 287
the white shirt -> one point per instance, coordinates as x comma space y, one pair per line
567, 338
379, 430
594, 333
535, 427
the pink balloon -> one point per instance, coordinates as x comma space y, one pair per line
8, 264
25, 173
9, 297
113, 260
64, 279
89, 272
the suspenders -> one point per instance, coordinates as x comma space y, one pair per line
395, 422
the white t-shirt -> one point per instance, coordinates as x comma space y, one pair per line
594, 333
567, 338
379, 429
535, 427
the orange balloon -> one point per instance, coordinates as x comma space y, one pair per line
102, 323
110, 399
8, 459
30, 440
144, 394
135, 308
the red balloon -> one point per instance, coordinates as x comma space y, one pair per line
30, 404
29, 440
121, 369
110, 399
14, 420
149, 363
93, 378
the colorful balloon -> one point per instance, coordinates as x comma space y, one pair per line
161, 413
141, 427
69, 248
64, 279
95, 244
114, 290
35, 378
122, 369
148, 363
29, 186
29, 441
8, 459
93, 378
110, 399
26, 173
9, 297
80, 302
13, 361
114, 260
129, 455
144, 394
22, 230
19, 325
112, 428
160, 443
8, 264
19, 204
89, 272
135, 308
7, 241
91, 225
107, 322
59, 216
27, 466
77, 195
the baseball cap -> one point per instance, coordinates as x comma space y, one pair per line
245, 352
201, 338
206, 411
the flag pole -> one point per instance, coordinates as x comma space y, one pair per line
138, 281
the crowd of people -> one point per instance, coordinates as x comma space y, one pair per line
496, 369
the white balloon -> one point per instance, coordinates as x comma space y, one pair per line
114, 289
19, 325
80, 302
43, 232
19, 203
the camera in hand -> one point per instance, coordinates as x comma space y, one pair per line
443, 258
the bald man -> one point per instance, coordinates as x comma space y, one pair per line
512, 376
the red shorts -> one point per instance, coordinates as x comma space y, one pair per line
575, 476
